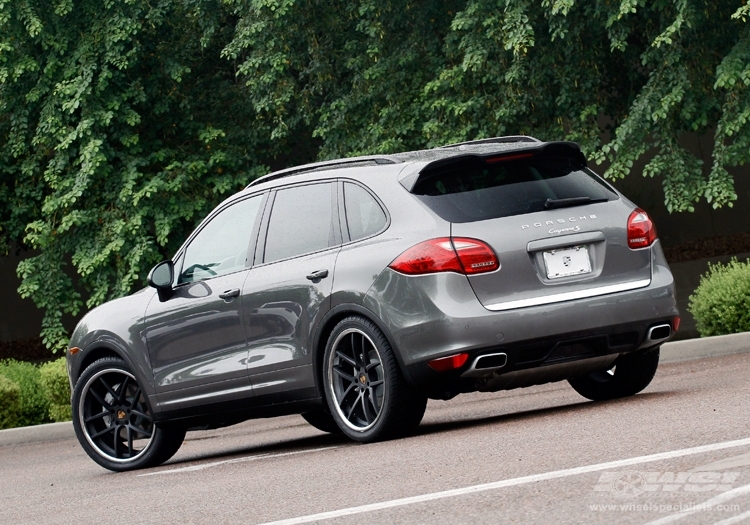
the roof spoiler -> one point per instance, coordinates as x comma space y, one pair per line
528, 150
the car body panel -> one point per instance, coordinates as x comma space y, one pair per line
436, 315
520, 241
115, 327
361, 261
197, 341
214, 362
281, 308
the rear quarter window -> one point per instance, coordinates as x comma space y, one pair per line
475, 191
364, 216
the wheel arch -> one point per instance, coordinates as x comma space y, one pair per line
92, 355
326, 326
106, 348
110, 348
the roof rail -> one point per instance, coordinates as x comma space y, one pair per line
495, 140
329, 164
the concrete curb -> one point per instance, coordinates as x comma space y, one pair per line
37, 433
716, 346
675, 352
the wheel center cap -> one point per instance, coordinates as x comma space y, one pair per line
121, 414
362, 378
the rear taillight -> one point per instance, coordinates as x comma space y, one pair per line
446, 254
475, 256
641, 231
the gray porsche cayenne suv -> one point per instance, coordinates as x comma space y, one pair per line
352, 291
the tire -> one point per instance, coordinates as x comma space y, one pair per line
367, 394
323, 421
113, 420
630, 374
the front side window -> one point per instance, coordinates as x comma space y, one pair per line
301, 222
364, 216
222, 245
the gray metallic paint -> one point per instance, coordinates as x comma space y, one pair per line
197, 342
437, 315
115, 327
522, 273
283, 328
281, 309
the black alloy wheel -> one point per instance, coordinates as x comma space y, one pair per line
113, 421
367, 395
357, 381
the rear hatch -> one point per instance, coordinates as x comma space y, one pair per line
559, 231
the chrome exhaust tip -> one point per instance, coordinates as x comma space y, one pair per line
659, 333
486, 363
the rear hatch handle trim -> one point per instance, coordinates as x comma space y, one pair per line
565, 240
569, 296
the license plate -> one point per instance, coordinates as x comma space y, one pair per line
567, 262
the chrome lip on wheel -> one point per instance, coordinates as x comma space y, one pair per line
356, 379
114, 416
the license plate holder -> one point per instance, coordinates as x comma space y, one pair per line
565, 262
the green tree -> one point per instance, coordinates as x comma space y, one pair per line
120, 126
123, 122
381, 76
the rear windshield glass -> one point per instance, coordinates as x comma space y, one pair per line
475, 191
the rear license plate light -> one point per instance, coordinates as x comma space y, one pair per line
567, 261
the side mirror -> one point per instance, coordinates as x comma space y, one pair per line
161, 276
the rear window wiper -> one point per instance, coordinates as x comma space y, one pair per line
553, 204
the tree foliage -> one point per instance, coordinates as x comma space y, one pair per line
123, 122
121, 126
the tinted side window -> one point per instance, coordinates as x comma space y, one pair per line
364, 216
301, 222
221, 246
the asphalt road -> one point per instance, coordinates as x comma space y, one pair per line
678, 452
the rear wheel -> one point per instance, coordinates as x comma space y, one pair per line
367, 394
630, 374
113, 421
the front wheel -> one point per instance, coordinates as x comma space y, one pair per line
366, 392
630, 374
113, 422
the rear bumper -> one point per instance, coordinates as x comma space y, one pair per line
438, 315
504, 367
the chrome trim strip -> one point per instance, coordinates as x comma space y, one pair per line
568, 296
207, 396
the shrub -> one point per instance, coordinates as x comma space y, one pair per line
721, 303
53, 377
10, 406
34, 406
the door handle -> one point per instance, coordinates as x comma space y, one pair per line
229, 294
316, 276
